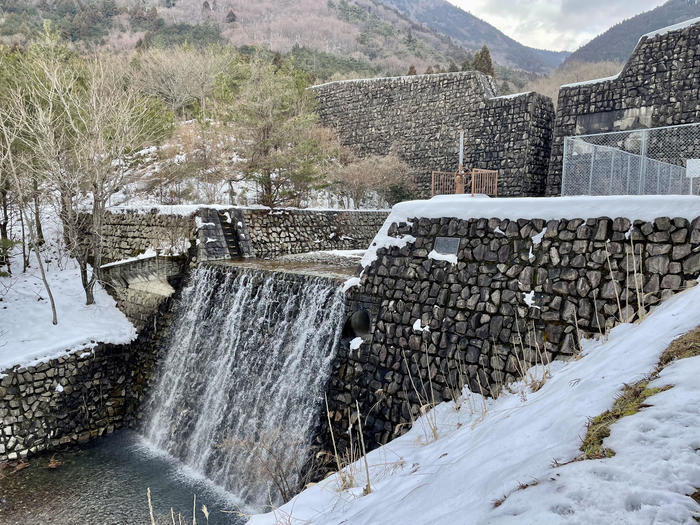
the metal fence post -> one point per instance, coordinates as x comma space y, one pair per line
590, 174
565, 161
612, 171
643, 162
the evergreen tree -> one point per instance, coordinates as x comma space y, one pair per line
429, 71
482, 61
412, 70
467, 63
453, 68
231, 17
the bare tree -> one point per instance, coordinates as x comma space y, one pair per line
81, 119
385, 176
183, 77
11, 128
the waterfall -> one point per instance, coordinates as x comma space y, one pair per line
240, 386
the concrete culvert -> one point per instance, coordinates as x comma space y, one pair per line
357, 325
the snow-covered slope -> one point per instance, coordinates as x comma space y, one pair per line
26, 332
488, 449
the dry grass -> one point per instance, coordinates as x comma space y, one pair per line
426, 400
633, 397
629, 402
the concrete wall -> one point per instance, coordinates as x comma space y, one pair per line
477, 312
658, 86
420, 117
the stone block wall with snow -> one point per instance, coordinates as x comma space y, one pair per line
658, 86
516, 292
79, 396
270, 233
129, 233
420, 117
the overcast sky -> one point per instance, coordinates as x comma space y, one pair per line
561, 25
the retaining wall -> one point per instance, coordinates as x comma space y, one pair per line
420, 117
80, 395
658, 86
268, 233
520, 292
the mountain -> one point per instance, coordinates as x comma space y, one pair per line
618, 42
472, 32
363, 36
348, 37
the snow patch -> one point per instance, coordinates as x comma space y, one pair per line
529, 299
537, 239
514, 95
675, 27
450, 258
28, 336
590, 82
351, 283
356, 343
417, 327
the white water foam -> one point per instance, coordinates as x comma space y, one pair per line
242, 377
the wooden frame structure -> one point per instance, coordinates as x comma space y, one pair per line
482, 181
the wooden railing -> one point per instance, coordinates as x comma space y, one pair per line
483, 182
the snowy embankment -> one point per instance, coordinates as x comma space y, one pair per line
488, 450
26, 333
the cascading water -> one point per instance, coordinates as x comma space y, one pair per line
240, 387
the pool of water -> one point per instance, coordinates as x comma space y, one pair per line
105, 483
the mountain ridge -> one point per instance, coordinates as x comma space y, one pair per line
618, 42
472, 32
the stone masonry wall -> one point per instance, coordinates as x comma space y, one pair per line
130, 233
519, 293
659, 86
420, 117
269, 233
79, 396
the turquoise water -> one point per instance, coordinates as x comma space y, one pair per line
105, 483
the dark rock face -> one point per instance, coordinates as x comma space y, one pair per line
421, 117
659, 86
522, 292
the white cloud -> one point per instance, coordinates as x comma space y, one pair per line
554, 24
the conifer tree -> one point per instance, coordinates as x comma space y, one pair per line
429, 71
412, 70
482, 61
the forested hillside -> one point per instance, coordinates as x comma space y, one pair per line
360, 36
331, 38
618, 42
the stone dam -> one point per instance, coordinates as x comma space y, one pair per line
242, 351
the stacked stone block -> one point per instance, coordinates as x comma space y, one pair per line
659, 86
522, 292
130, 233
273, 232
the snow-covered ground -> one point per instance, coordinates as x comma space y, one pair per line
488, 450
26, 333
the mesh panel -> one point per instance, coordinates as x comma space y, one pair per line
657, 161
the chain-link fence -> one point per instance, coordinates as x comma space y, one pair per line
656, 161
